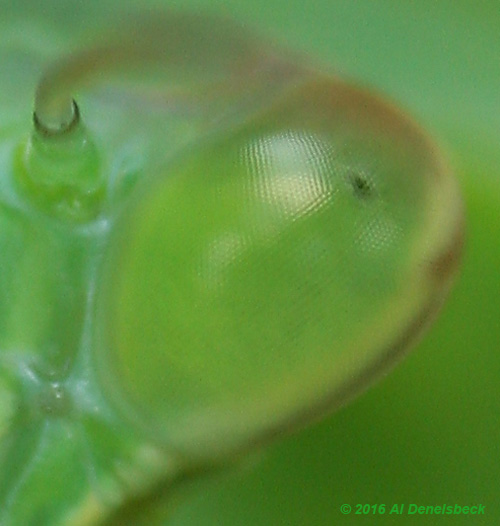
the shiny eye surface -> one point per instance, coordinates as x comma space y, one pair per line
276, 270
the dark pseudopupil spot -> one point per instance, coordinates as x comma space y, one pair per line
361, 187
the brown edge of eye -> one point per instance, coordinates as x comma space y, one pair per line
447, 261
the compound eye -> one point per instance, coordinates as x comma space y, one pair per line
276, 271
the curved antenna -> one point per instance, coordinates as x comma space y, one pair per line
215, 60
207, 50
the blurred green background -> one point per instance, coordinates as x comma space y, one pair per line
429, 433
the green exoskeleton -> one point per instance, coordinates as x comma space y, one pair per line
216, 244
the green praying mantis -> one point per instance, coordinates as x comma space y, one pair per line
193, 266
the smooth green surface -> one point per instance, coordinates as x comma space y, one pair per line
428, 434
